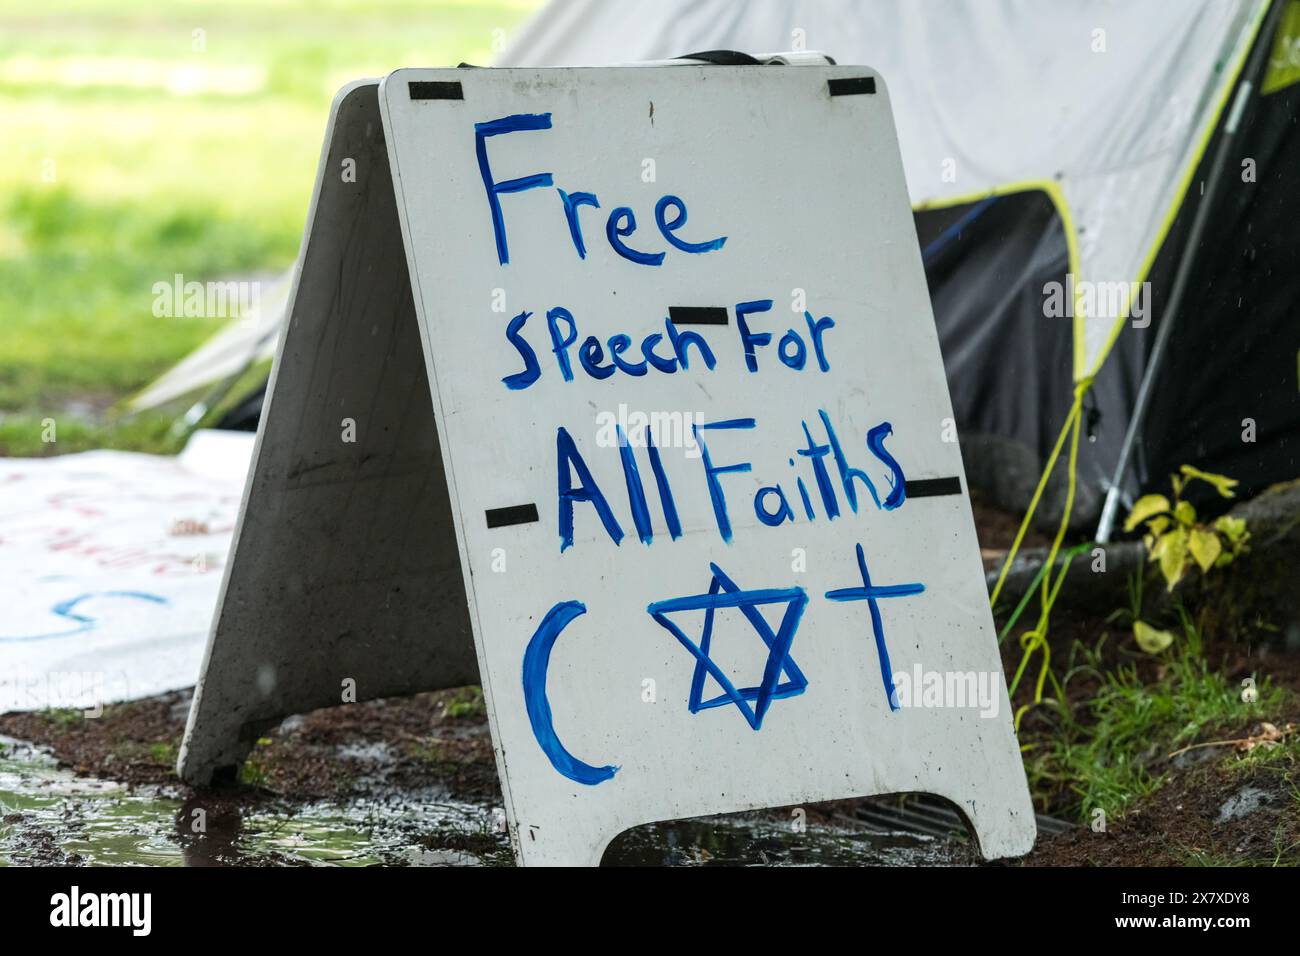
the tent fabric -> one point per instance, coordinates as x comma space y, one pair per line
1111, 101
986, 282
240, 343
1009, 372
1228, 394
1042, 141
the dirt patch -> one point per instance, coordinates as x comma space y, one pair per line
430, 741
996, 530
1230, 810
1183, 821
134, 743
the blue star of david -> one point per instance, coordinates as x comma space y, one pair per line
724, 593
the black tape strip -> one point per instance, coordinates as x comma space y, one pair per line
519, 514
698, 315
932, 487
436, 90
852, 86
723, 58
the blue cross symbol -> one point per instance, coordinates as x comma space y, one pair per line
724, 593
870, 593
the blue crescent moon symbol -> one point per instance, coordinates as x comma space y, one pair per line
537, 659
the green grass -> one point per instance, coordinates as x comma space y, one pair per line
1283, 855
66, 717
465, 702
1109, 750
130, 157
253, 774
1283, 757
164, 753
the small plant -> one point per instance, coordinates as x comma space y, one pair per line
465, 702
1177, 540
1113, 745
65, 717
163, 753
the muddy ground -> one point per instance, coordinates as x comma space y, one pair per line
1217, 804
1230, 797
398, 754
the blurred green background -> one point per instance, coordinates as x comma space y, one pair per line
133, 147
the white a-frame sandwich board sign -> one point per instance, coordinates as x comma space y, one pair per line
618, 391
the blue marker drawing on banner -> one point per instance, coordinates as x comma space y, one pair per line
635, 490
871, 593
571, 203
568, 460
65, 609
711, 471
876, 442
620, 225
723, 593
532, 370
506, 124
668, 228
537, 660
665, 491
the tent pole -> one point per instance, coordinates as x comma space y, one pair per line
1258, 57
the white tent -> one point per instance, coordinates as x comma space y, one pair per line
1106, 105
1108, 113
240, 344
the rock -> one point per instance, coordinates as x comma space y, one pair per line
1243, 803
1084, 588
1257, 597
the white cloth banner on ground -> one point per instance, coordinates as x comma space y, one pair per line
110, 563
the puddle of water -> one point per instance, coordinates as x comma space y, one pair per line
761, 841
409, 829
50, 816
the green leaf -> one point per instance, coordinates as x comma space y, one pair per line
1222, 483
1185, 514
1234, 529
1149, 639
1148, 506
1205, 547
1154, 546
1173, 555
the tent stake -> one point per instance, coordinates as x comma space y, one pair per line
1258, 57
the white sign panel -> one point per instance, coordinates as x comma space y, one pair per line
698, 447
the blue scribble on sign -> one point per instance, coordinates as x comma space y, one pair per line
537, 659
723, 593
871, 594
66, 609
